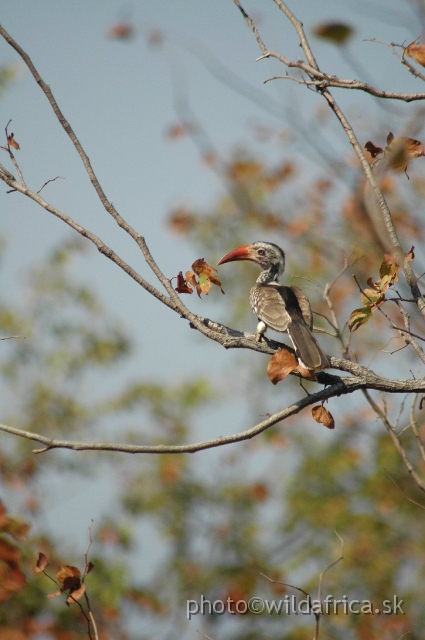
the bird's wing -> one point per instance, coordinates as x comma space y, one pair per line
287, 309
271, 304
305, 307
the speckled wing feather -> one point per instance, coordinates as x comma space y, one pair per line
269, 303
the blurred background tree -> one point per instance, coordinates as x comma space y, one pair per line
175, 527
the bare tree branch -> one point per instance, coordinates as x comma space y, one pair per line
342, 386
314, 73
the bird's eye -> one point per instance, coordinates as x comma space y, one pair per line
261, 252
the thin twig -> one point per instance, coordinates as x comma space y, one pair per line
11, 156
311, 68
395, 438
286, 584
410, 335
51, 180
204, 634
344, 385
414, 427
405, 494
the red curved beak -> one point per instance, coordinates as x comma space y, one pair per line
240, 253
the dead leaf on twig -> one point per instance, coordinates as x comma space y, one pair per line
182, 285
323, 416
282, 363
398, 151
373, 296
373, 149
42, 562
11, 142
201, 278
416, 51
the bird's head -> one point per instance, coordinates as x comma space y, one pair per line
268, 255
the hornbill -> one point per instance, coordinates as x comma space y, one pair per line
280, 307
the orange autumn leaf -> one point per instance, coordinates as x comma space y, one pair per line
374, 296
416, 51
280, 365
201, 278
206, 277
200, 266
76, 594
69, 576
401, 150
12, 142
42, 562
323, 416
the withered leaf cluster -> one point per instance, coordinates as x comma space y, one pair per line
416, 51
201, 278
323, 416
11, 142
398, 151
68, 576
374, 295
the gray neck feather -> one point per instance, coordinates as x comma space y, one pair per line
270, 275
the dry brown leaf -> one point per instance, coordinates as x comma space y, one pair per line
12, 142
76, 594
200, 266
54, 594
410, 256
413, 148
390, 138
401, 150
280, 365
69, 576
42, 562
416, 51
182, 285
323, 416
373, 149
205, 273
191, 278
90, 566
306, 373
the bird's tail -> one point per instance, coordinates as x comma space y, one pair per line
307, 349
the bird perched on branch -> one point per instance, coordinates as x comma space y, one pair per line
281, 308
